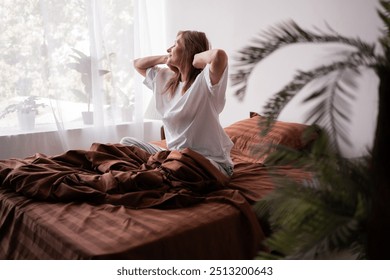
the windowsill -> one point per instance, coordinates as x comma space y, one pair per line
47, 140
47, 128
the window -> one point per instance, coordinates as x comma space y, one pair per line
63, 58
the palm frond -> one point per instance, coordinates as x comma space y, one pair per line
275, 105
330, 210
331, 108
282, 35
384, 15
313, 218
320, 153
384, 40
321, 215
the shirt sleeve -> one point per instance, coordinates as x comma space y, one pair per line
150, 77
217, 91
218, 87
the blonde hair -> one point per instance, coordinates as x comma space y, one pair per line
194, 42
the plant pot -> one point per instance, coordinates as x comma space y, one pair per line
87, 117
26, 120
127, 114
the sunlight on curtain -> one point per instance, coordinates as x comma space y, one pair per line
62, 61
149, 26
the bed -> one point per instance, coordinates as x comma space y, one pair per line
118, 202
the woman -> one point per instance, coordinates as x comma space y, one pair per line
190, 95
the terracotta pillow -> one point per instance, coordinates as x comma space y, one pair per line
248, 139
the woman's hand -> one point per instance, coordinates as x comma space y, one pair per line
142, 64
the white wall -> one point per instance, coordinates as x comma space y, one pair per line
231, 24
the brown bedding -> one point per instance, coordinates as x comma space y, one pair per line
39, 230
118, 202
114, 174
114, 201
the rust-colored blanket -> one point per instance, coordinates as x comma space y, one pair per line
114, 174
134, 204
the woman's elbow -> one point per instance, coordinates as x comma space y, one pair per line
220, 57
138, 67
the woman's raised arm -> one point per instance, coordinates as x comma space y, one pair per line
217, 59
143, 63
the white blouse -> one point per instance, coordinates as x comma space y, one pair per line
191, 120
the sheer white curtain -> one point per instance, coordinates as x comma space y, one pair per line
150, 29
67, 58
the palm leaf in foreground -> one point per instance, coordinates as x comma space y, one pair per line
337, 77
317, 218
322, 216
283, 35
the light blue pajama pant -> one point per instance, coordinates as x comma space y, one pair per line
152, 149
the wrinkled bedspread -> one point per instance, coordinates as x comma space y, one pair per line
115, 201
114, 174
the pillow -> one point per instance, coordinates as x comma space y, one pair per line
248, 138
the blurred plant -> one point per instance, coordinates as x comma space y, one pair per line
127, 99
345, 205
26, 106
83, 66
324, 216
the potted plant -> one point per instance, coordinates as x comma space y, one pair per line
83, 66
127, 109
346, 206
26, 111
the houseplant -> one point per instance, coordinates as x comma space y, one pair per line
26, 111
345, 208
83, 65
127, 108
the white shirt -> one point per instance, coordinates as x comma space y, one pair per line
191, 120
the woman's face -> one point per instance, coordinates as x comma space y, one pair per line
175, 52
